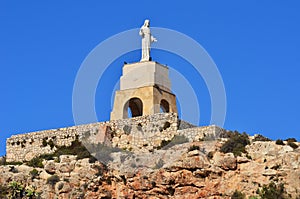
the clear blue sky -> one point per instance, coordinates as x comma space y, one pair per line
255, 44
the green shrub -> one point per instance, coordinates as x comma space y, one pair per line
272, 191
279, 142
52, 180
236, 144
260, 137
3, 191
13, 163
34, 173
16, 189
76, 148
36, 162
293, 145
291, 140
227, 134
30, 192
238, 195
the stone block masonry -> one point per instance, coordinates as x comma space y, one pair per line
201, 133
24, 147
144, 133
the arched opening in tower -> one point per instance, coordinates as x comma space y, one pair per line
135, 107
164, 106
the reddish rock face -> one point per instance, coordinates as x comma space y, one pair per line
225, 161
193, 174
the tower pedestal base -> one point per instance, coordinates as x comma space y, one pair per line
146, 100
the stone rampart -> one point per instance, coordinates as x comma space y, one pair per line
24, 147
201, 133
137, 134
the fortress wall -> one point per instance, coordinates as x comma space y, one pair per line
144, 133
127, 133
201, 133
24, 147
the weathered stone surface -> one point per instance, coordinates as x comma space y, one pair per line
50, 167
65, 167
225, 161
189, 175
62, 187
241, 160
44, 175
139, 133
150, 170
23, 168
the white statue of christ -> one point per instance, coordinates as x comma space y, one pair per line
147, 39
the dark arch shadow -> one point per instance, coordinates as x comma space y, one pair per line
164, 106
136, 107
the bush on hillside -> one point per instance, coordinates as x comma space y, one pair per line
272, 191
76, 148
260, 137
236, 144
279, 142
34, 173
227, 134
291, 140
238, 195
293, 145
36, 162
3, 191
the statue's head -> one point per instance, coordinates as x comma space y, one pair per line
147, 23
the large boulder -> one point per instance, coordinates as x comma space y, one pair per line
225, 161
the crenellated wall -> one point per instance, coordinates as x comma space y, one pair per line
138, 133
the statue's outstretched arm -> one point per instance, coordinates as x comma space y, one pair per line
153, 39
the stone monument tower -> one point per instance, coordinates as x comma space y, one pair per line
145, 87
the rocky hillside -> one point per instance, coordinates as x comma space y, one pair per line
233, 166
